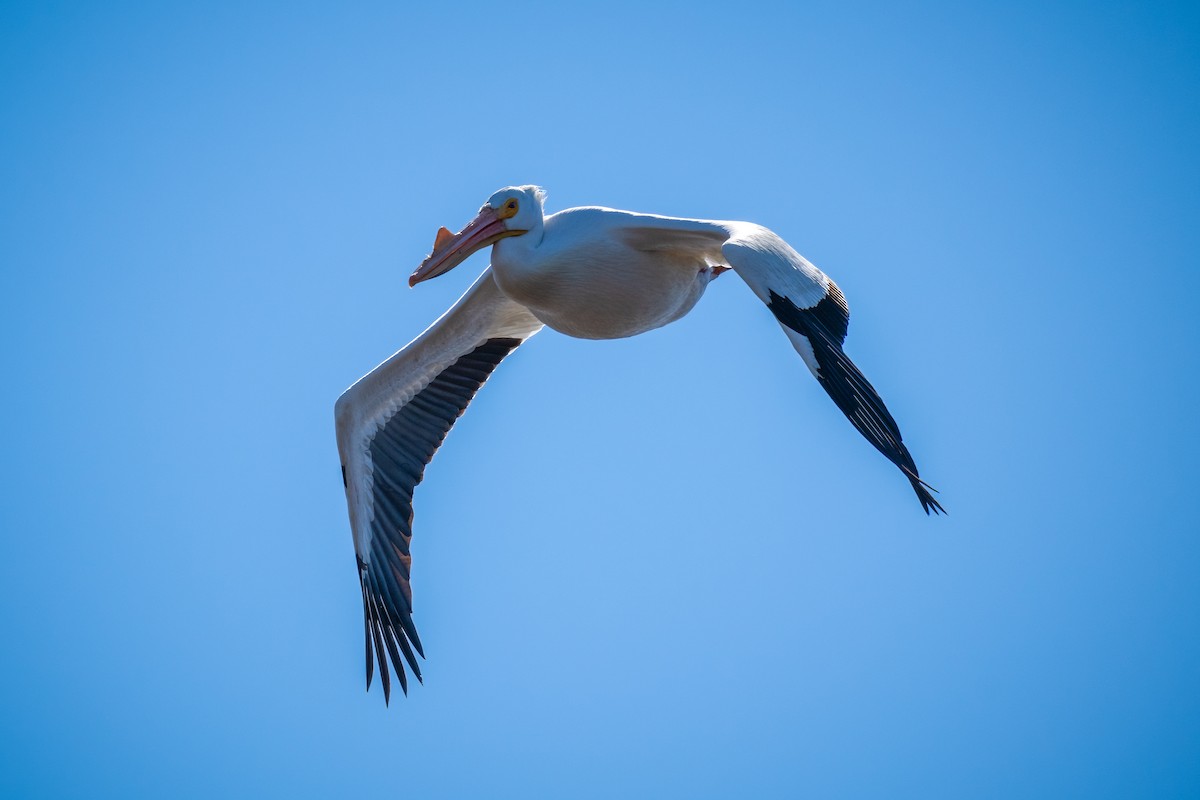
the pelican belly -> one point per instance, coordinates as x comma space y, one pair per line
605, 292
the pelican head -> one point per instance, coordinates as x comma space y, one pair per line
509, 212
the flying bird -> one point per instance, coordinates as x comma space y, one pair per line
593, 273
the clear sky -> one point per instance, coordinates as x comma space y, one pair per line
657, 567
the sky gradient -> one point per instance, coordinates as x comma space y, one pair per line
657, 567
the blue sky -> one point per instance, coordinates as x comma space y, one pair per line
664, 566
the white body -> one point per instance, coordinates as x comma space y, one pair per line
599, 273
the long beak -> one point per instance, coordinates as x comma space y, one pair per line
450, 250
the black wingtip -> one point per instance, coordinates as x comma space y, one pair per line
416, 643
924, 493
367, 632
928, 501
370, 663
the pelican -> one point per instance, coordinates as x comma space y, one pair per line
593, 273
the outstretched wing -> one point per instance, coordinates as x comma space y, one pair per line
815, 317
804, 300
389, 425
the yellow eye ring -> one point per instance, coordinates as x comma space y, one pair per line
509, 209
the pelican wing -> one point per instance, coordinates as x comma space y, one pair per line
808, 305
813, 313
389, 425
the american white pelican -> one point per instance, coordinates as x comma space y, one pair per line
594, 273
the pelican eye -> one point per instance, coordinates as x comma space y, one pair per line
509, 209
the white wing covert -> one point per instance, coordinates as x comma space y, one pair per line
389, 425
